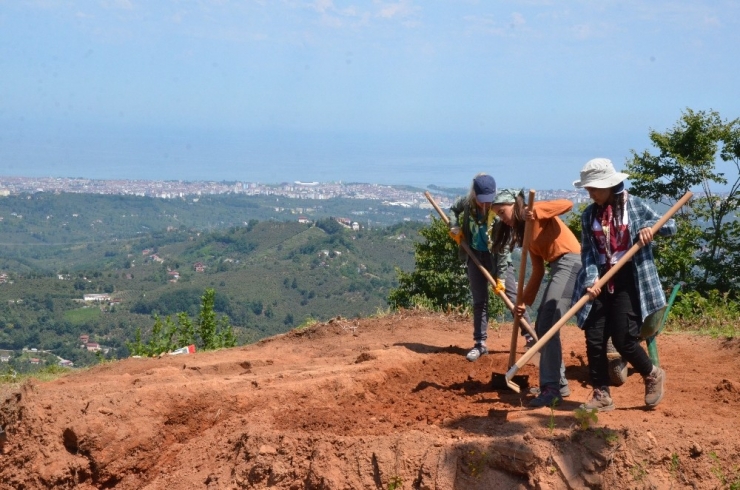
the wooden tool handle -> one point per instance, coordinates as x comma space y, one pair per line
480, 266
528, 230
600, 283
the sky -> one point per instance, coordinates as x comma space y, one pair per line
392, 92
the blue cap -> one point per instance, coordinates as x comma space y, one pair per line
485, 188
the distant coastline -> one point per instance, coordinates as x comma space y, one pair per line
401, 195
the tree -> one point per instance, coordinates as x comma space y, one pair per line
208, 333
706, 251
439, 281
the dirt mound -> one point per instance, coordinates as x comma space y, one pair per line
382, 403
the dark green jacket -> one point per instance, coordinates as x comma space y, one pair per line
464, 218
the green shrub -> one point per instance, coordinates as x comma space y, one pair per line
714, 314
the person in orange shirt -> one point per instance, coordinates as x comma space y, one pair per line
555, 245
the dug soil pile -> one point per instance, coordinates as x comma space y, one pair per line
379, 403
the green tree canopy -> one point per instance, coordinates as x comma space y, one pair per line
439, 281
705, 254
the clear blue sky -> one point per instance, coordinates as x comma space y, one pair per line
386, 91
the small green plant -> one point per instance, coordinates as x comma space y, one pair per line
586, 417
395, 483
735, 485
101, 358
476, 462
717, 468
9, 375
308, 322
674, 465
721, 476
610, 437
551, 423
638, 472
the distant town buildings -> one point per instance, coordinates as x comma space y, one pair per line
401, 196
96, 298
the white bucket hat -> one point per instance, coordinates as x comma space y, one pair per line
600, 174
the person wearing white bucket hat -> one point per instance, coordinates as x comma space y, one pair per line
609, 227
599, 173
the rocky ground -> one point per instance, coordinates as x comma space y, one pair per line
379, 403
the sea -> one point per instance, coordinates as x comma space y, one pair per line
418, 159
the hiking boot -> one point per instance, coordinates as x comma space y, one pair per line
564, 391
654, 386
600, 401
476, 352
549, 397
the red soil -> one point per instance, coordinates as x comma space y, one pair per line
379, 403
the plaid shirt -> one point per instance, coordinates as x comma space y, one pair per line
652, 297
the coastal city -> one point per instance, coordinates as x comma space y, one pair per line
403, 196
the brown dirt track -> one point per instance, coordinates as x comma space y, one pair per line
379, 403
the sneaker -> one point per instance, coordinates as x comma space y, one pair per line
549, 397
600, 401
654, 386
564, 391
476, 352
529, 341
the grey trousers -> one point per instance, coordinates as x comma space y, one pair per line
510, 284
555, 303
479, 291
479, 287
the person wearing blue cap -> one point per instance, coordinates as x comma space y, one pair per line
474, 222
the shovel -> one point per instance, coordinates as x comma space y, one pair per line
584, 299
485, 272
528, 230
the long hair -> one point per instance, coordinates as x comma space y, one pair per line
617, 200
512, 235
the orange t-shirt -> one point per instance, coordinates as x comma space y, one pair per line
551, 238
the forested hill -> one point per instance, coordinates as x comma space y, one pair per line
49, 218
156, 257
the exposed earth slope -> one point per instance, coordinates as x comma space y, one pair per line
378, 403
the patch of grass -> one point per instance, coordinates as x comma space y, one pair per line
731, 481
11, 377
382, 312
715, 314
82, 316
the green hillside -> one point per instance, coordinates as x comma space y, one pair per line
269, 276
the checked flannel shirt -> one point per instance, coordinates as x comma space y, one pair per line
652, 297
